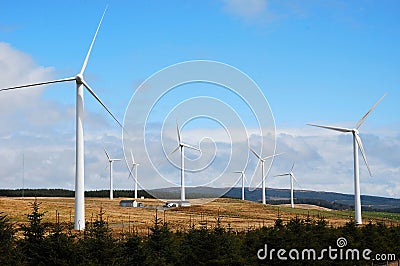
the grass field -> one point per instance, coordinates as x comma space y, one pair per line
236, 214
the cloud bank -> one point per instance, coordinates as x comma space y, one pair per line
43, 131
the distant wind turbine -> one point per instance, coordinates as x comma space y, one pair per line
181, 146
357, 144
243, 176
111, 161
135, 176
79, 219
262, 160
292, 178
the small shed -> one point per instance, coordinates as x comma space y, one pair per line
171, 204
128, 203
185, 203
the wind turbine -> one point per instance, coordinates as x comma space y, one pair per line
243, 176
110, 161
79, 219
262, 160
357, 144
292, 177
181, 146
134, 166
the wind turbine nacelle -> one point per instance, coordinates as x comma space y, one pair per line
79, 78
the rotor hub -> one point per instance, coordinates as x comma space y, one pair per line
79, 78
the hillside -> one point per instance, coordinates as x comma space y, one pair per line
227, 231
230, 213
325, 199
331, 200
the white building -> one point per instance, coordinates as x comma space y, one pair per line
129, 203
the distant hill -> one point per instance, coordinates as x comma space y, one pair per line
332, 200
191, 193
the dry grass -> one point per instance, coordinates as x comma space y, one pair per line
237, 214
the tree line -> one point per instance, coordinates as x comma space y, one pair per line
41, 243
43, 192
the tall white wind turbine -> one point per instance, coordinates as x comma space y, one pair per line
111, 161
262, 160
357, 144
243, 176
79, 219
135, 176
181, 146
292, 178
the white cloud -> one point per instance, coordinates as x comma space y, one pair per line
267, 11
44, 131
246, 9
17, 68
325, 162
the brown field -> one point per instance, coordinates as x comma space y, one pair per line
236, 214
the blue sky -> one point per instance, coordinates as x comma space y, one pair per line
315, 61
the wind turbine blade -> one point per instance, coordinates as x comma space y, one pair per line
115, 160
243, 175
360, 145
130, 171
259, 184
177, 148
341, 129
369, 111
98, 99
237, 181
190, 147
294, 178
272, 156
108, 156
38, 84
133, 159
91, 45
255, 154
292, 166
281, 175
178, 132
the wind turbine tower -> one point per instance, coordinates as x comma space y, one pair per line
243, 176
262, 160
182, 146
292, 178
111, 161
79, 218
357, 145
134, 167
